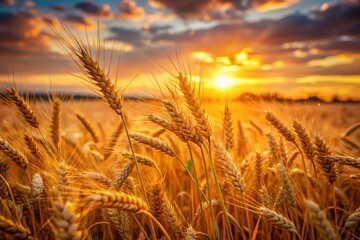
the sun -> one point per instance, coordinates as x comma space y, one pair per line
223, 81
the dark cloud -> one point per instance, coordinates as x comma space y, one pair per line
103, 11
217, 9
128, 9
7, 2
137, 38
79, 21
25, 45
58, 8
15, 27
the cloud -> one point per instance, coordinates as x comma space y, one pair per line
128, 9
79, 21
217, 9
25, 45
136, 38
103, 11
15, 27
7, 2
58, 8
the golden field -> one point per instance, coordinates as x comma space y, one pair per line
182, 167
75, 177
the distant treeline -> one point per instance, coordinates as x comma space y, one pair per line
276, 97
245, 97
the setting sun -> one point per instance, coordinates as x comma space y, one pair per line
223, 81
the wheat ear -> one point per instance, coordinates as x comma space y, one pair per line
287, 185
23, 107
183, 127
195, 106
225, 162
278, 220
112, 199
32, 146
320, 221
98, 77
66, 221
13, 229
120, 222
284, 130
114, 138
37, 185
14, 154
327, 166
55, 126
353, 219
351, 130
88, 126
154, 143
228, 129
351, 161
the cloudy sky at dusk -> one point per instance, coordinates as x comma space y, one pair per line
295, 47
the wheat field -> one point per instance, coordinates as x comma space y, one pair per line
181, 167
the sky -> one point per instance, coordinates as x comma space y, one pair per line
297, 48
